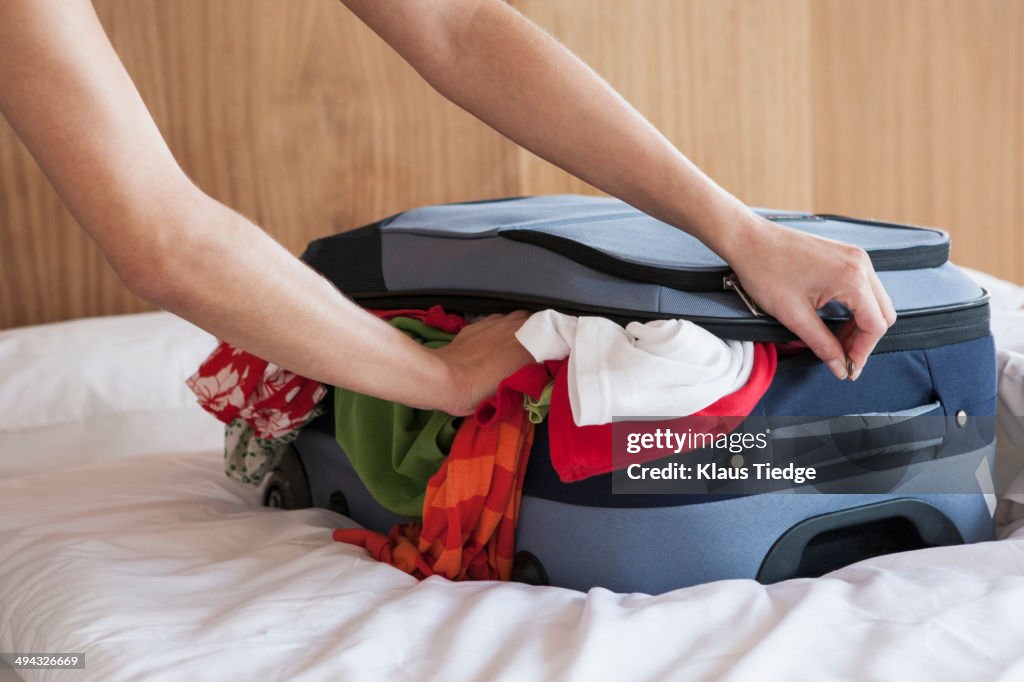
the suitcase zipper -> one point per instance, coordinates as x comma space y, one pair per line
731, 282
914, 329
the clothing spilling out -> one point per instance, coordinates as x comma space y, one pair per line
459, 481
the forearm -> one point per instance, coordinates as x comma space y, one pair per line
486, 57
69, 98
229, 277
499, 66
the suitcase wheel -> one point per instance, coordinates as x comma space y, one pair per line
338, 503
287, 485
527, 568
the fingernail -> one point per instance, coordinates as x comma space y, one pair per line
853, 370
838, 368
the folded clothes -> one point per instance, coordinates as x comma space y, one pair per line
263, 406
393, 448
655, 369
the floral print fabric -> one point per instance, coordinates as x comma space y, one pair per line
263, 405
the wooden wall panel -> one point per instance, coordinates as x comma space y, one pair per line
49, 268
726, 80
919, 117
294, 113
298, 116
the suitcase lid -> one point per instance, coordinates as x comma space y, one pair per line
595, 255
615, 238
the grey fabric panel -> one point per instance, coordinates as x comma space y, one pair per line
484, 218
661, 549
923, 289
658, 550
620, 231
640, 239
830, 426
329, 470
414, 262
635, 238
761, 210
871, 237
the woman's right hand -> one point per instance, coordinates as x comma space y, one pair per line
478, 358
791, 274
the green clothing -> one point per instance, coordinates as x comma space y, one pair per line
537, 410
393, 448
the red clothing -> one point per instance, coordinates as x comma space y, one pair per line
528, 380
434, 316
233, 384
471, 504
579, 452
470, 508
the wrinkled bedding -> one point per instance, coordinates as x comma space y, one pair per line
157, 567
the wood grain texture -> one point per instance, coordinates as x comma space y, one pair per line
919, 117
294, 113
727, 81
298, 116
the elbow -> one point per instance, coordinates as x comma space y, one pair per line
451, 38
155, 274
157, 260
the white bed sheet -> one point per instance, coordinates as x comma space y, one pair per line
158, 567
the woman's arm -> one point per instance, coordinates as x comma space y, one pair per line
69, 98
486, 57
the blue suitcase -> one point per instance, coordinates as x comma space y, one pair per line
904, 454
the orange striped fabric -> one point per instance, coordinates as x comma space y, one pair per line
470, 509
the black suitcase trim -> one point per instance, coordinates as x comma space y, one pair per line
362, 269
917, 258
914, 330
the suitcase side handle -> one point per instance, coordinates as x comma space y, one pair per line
830, 541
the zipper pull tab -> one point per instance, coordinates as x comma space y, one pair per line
732, 283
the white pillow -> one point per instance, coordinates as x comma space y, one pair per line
1007, 306
1006, 296
98, 367
113, 436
